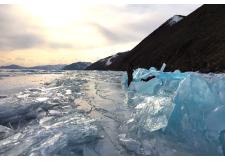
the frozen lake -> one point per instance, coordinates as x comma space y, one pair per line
76, 113
67, 113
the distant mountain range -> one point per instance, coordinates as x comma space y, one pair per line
192, 43
77, 66
13, 66
43, 67
74, 66
49, 67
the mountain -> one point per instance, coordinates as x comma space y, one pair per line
13, 66
77, 66
192, 43
49, 67
43, 67
113, 62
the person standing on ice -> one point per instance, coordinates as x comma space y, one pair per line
130, 71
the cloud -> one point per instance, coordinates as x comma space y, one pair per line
131, 23
140, 8
44, 34
163, 8
19, 41
128, 23
15, 33
115, 35
60, 45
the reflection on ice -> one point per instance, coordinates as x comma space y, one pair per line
42, 99
45, 120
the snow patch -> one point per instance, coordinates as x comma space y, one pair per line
109, 60
174, 20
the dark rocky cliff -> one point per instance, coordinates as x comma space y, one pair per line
192, 43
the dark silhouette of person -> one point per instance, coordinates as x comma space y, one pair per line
130, 71
148, 79
222, 140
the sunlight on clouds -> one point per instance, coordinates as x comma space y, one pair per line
66, 24
55, 14
60, 33
38, 56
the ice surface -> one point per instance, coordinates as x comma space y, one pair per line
88, 113
79, 113
187, 106
130, 144
5, 132
42, 99
45, 120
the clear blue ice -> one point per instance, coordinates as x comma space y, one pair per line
188, 107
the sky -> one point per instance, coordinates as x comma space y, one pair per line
41, 34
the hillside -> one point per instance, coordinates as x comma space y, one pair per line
113, 62
192, 43
77, 66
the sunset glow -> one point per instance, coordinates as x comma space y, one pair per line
38, 34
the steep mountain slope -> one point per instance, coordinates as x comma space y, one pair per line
113, 62
77, 66
195, 42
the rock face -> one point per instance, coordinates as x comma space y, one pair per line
77, 66
192, 43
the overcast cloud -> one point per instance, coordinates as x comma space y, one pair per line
101, 26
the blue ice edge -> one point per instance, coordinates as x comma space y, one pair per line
188, 106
